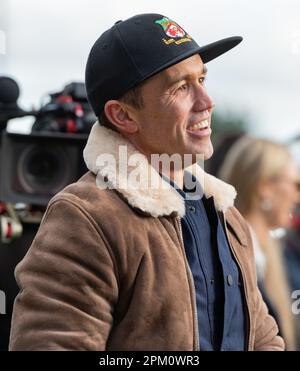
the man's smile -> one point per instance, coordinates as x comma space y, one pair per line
202, 125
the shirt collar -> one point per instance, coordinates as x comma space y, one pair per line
192, 190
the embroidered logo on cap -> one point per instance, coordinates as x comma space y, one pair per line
171, 28
173, 31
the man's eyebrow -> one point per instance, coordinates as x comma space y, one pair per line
170, 81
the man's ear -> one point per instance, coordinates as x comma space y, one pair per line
119, 114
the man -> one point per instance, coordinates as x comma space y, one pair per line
132, 257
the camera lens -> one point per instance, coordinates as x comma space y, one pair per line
43, 170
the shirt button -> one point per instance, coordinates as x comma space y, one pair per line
192, 209
229, 280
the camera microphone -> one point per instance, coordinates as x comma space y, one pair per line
9, 91
9, 94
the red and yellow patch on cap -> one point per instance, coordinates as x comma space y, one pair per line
173, 30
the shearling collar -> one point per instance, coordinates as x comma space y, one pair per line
158, 201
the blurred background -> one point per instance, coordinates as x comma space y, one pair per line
43, 49
47, 45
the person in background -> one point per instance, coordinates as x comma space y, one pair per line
266, 177
291, 241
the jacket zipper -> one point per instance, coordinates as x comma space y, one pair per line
191, 279
243, 279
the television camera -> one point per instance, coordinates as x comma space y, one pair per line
35, 166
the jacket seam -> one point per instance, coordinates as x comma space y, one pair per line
191, 284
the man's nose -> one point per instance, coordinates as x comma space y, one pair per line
202, 99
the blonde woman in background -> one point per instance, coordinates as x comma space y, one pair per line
266, 179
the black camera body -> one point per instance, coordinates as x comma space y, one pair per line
34, 167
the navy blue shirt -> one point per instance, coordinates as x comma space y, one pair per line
219, 295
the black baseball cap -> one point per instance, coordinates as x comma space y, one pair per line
133, 50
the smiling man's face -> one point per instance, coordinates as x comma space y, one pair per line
176, 116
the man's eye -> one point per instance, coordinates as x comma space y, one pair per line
202, 79
183, 87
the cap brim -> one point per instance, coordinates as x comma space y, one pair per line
217, 48
207, 53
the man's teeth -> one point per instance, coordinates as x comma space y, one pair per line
199, 125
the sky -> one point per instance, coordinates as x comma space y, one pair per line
47, 43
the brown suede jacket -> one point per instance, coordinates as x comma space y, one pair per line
107, 269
